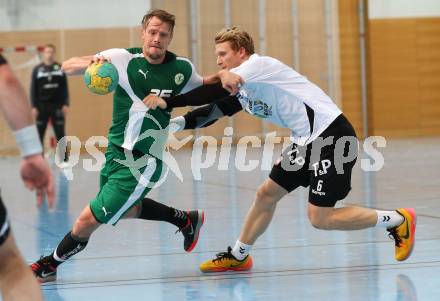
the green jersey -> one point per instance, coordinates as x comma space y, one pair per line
134, 126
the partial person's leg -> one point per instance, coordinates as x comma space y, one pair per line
260, 214
400, 223
76, 240
42, 120
149, 209
287, 174
73, 242
281, 181
188, 222
346, 218
257, 220
329, 185
16, 279
59, 129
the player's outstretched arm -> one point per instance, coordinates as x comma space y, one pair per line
77, 65
206, 115
199, 96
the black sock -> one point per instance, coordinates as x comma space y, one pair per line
68, 247
152, 210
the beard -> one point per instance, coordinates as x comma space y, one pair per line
155, 55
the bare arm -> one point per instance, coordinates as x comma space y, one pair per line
77, 65
17, 112
230, 81
211, 79
34, 169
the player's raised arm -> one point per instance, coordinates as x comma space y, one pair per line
76, 65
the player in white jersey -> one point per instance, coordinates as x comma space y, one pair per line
322, 155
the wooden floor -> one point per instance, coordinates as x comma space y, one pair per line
140, 260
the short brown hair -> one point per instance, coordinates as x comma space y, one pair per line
237, 37
162, 15
50, 46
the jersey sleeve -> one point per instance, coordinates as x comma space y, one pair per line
119, 57
194, 81
250, 69
201, 95
206, 115
114, 54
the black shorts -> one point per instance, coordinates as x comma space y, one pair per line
4, 223
328, 173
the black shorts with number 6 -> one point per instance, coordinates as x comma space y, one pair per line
325, 164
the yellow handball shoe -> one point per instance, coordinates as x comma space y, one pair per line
404, 234
225, 261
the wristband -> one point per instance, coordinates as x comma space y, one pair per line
28, 141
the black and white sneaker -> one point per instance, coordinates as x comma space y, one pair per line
44, 270
191, 231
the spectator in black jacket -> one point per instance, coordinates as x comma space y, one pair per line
49, 95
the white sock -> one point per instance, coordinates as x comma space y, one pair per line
241, 250
388, 219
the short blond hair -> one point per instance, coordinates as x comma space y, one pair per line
237, 37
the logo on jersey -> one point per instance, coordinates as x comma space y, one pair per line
178, 79
143, 73
259, 108
105, 211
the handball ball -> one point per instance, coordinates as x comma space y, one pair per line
101, 78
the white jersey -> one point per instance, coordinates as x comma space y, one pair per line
276, 92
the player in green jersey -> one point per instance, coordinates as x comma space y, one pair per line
137, 134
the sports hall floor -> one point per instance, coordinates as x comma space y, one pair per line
140, 260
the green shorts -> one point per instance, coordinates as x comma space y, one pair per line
123, 184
